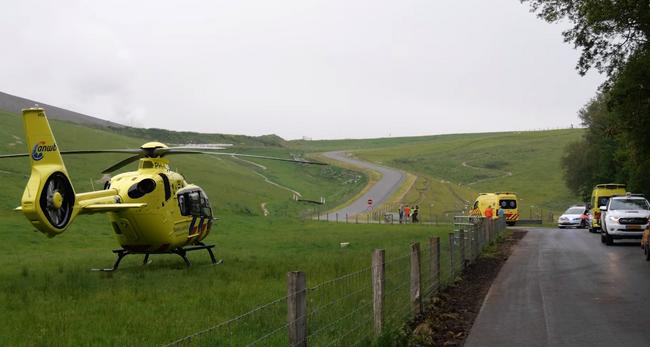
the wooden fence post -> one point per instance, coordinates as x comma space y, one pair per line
461, 235
451, 257
297, 308
416, 297
476, 243
378, 284
434, 263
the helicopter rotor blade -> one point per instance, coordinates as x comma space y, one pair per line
18, 155
199, 147
229, 154
95, 151
122, 163
91, 151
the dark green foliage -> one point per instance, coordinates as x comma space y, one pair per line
607, 32
612, 37
616, 146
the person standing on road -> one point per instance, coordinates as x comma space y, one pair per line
407, 214
416, 211
501, 213
401, 214
488, 212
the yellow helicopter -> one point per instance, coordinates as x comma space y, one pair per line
152, 210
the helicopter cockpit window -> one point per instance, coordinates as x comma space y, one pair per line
194, 202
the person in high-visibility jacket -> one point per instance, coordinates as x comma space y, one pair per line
489, 213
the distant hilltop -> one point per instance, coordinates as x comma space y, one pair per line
15, 104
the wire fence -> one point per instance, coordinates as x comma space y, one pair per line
354, 309
388, 214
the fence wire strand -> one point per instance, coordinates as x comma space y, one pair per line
340, 310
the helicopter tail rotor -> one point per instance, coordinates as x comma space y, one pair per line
49, 198
57, 200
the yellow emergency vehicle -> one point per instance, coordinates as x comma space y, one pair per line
499, 200
600, 197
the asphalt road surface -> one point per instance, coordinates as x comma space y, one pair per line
566, 288
382, 190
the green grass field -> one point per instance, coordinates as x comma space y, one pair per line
48, 296
48, 292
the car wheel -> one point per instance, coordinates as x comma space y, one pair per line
602, 238
646, 249
609, 240
560, 227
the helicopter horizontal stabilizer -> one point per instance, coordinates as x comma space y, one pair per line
110, 207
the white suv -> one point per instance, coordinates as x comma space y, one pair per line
624, 217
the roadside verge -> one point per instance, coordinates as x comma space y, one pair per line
448, 319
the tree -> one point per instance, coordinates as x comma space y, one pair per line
612, 36
599, 157
607, 32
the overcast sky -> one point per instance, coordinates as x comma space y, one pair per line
316, 68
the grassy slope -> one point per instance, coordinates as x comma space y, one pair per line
232, 185
46, 283
47, 291
533, 158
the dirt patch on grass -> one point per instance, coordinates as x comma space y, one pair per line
451, 314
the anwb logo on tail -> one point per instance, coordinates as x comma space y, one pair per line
38, 152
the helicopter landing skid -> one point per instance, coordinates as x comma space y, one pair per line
182, 252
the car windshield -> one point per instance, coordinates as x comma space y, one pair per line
575, 210
629, 204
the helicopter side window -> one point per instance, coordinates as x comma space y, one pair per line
194, 203
168, 190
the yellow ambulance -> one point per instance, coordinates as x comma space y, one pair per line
600, 197
499, 200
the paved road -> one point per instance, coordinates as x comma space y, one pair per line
565, 288
382, 190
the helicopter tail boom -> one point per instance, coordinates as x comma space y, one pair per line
49, 198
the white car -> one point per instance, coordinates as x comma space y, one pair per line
624, 217
575, 216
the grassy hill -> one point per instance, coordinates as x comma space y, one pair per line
46, 283
234, 186
52, 298
452, 169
